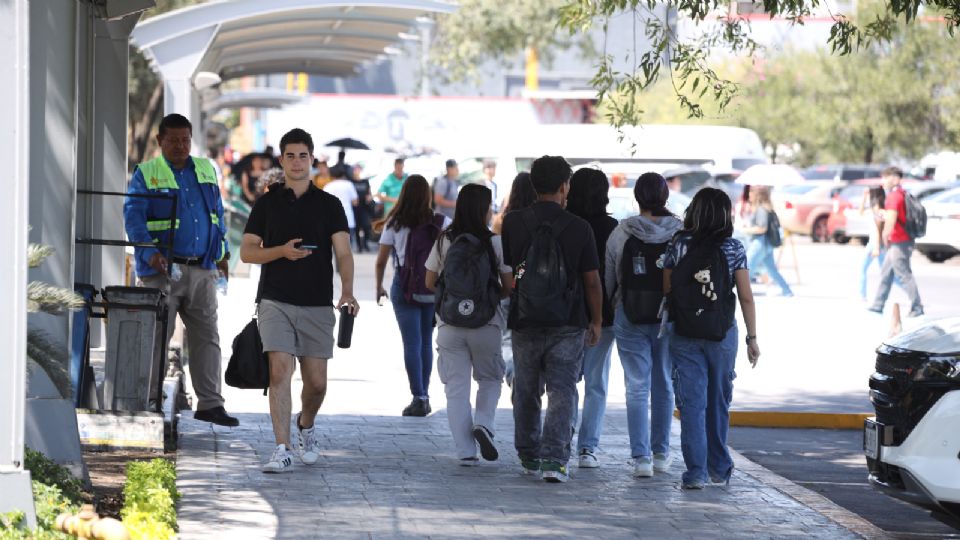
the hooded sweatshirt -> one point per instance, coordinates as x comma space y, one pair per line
651, 230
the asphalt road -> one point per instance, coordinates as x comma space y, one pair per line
831, 463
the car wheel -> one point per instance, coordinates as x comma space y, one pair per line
841, 239
937, 256
818, 232
863, 240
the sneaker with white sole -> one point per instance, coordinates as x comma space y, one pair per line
469, 462
280, 461
587, 459
642, 467
661, 462
484, 439
305, 442
554, 472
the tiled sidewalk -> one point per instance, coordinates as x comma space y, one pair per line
393, 477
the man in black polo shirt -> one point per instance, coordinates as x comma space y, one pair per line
554, 353
293, 231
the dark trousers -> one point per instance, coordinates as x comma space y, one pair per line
556, 356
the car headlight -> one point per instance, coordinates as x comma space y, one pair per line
939, 369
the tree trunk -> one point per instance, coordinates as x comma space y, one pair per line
868, 148
144, 127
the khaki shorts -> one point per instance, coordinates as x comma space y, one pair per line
303, 331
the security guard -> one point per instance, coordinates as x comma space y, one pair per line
199, 250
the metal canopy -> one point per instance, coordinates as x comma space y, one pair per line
234, 38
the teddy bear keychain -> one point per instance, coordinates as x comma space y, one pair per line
703, 277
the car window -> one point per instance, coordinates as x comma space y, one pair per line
952, 196
853, 193
797, 189
820, 173
853, 174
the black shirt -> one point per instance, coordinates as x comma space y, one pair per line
577, 242
602, 225
278, 217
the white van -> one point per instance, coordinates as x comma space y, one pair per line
716, 148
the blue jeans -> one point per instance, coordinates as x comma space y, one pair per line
596, 373
868, 258
647, 371
760, 257
703, 380
416, 330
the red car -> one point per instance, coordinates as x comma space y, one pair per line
846, 221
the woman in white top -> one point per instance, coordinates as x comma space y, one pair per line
408, 234
470, 340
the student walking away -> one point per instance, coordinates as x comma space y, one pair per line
555, 265
763, 232
294, 230
633, 273
904, 221
445, 189
408, 234
199, 252
588, 200
522, 195
344, 190
466, 269
873, 202
391, 186
363, 212
702, 266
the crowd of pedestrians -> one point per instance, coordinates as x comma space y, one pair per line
549, 273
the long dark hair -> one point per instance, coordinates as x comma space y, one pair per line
522, 193
651, 193
588, 193
470, 215
709, 218
412, 208
878, 197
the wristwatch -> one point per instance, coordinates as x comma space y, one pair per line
750, 338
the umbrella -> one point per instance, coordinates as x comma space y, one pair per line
347, 142
776, 174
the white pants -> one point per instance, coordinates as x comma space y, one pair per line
462, 351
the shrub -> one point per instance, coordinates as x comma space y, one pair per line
44, 470
49, 502
150, 497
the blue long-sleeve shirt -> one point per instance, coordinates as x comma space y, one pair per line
192, 238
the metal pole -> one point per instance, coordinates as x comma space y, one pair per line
16, 493
426, 29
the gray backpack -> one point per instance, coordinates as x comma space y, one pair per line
468, 291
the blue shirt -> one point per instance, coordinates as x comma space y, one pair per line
193, 236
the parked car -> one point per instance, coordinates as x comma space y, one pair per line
805, 208
623, 204
842, 172
847, 222
913, 443
942, 240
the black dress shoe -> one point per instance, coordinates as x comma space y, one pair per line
216, 415
409, 409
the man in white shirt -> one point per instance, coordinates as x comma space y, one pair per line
344, 190
489, 173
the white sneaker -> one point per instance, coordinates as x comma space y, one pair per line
305, 442
661, 462
588, 460
642, 467
280, 461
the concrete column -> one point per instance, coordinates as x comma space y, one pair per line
14, 151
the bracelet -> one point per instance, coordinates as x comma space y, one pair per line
751, 338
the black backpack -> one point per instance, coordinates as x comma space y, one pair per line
468, 291
641, 280
546, 292
773, 230
702, 303
915, 220
248, 366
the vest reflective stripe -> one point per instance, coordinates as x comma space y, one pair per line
161, 225
223, 250
214, 219
158, 175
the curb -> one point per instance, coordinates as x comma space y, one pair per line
816, 502
780, 419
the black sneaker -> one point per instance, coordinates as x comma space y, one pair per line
409, 409
418, 407
216, 415
485, 440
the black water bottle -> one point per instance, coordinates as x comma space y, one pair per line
345, 334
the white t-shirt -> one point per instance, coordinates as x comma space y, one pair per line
398, 239
439, 253
344, 190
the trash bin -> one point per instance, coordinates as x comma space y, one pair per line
135, 318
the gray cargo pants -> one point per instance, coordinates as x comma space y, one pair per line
194, 298
555, 355
897, 263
